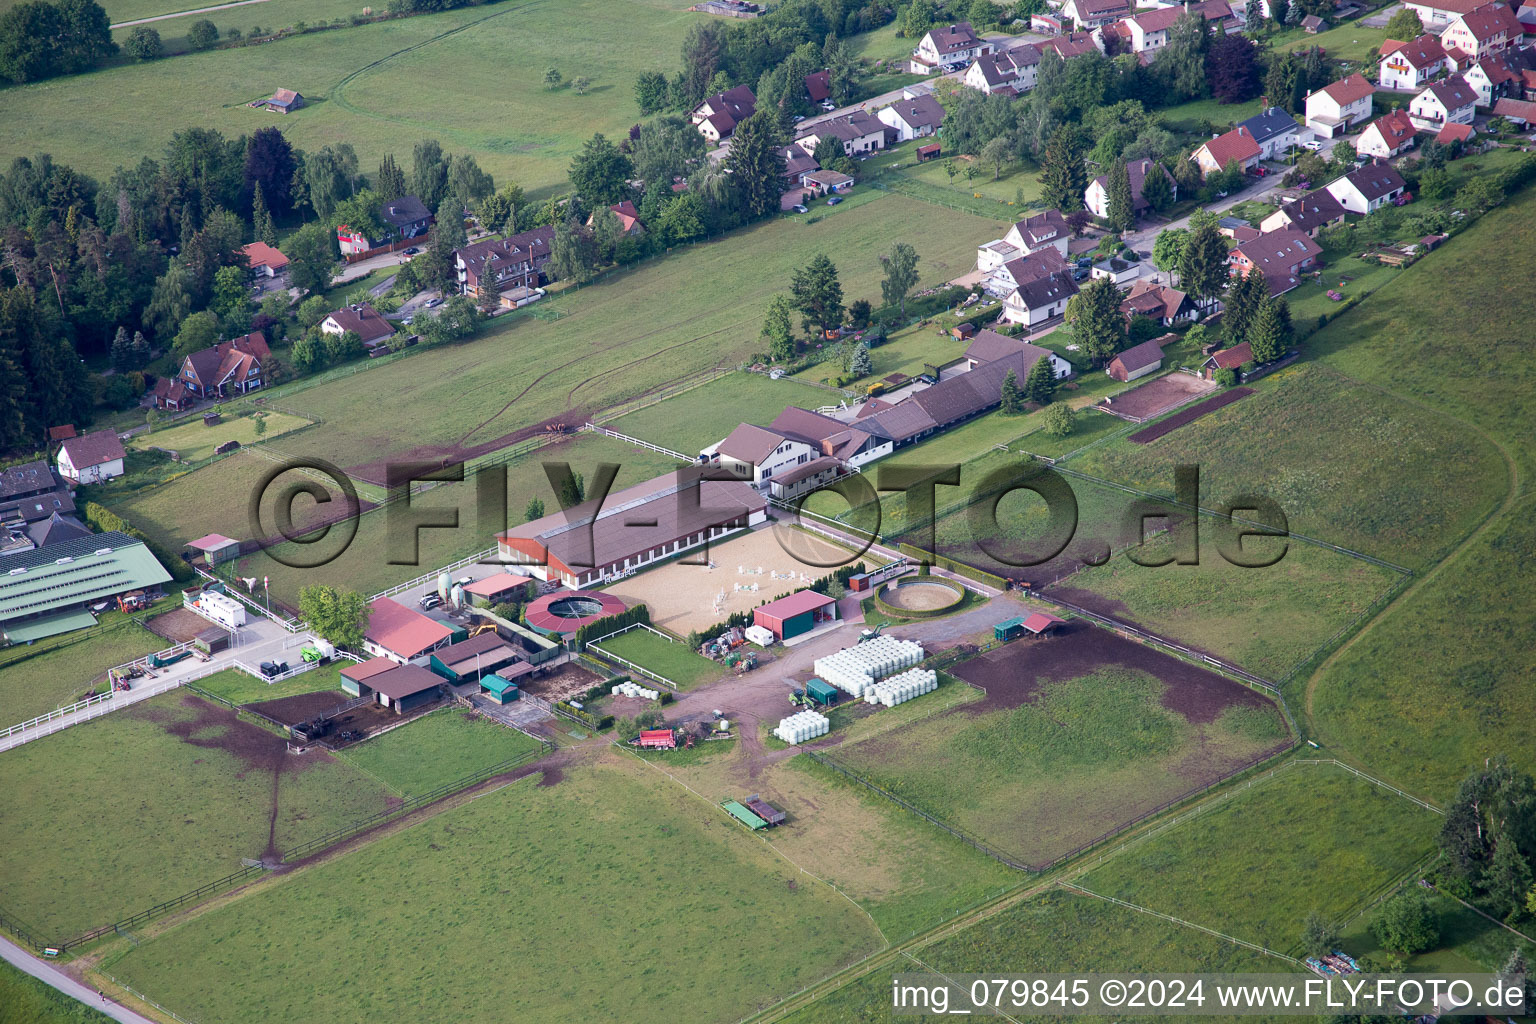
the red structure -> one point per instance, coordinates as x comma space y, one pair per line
1040, 622
798, 613
660, 739
566, 611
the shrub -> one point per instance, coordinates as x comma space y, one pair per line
202, 34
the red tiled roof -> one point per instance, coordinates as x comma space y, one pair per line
260, 254
818, 86
364, 321
1236, 144
1420, 53
1347, 90
407, 633
1232, 358
1454, 132
61, 433
495, 584
1040, 621
1491, 19
1396, 129
1453, 93
371, 667
795, 604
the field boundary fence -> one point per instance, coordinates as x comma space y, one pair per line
432, 576
1331, 644
632, 666
627, 439
662, 394
141, 997
1256, 947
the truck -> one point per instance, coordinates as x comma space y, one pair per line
318, 651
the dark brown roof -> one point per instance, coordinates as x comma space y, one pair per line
953, 38
818, 85
1232, 358
751, 444
364, 321
29, 478
1148, 353
1278, 251
1375, 180
1453, 93
919, 111
404, 680
1316, 209
94, 449
807, 426
1422, 52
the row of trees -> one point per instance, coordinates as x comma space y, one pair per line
43, 38
816, 294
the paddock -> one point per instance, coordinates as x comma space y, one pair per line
686, 597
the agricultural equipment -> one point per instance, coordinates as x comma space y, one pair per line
162, 660
313, 729
122, 684
133, 601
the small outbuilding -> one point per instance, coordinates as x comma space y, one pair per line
1136, 361
498, 589
216, 549
472, 659
283, 101
354, 676
1040, 623
931, 151
406, 687
801, 612
822, 692
502, 691
213, 640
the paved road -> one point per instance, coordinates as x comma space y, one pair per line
353, 271
57, 979
183, 14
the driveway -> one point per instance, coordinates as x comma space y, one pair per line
353, 271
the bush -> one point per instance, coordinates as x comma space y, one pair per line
143, 43
202, 35
1226, 378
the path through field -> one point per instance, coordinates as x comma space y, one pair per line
183, 14
57, 979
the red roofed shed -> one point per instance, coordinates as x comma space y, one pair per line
798, 613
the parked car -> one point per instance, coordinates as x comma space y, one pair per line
1259, 172
828, 105
412, 251
1312, 144
434, 303
1221, 195
800, 208
429, 602
1403, 200
1081, 274
797, 118
1085, 261
834, 200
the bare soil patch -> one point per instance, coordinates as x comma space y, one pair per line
365, 719
1156, 397
179, 625
1013, 674
566, 681
1189, 415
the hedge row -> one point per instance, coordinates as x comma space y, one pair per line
105, 520
610, 624
970, 572
585, 717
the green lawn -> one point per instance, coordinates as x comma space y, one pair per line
1396, 481
243, 688
1083, 755
624, 896
1468, 942
437, 749
1189, 118
1312, 837
998, 198
699, 417
31, 686
1265, 619
25, 1000
664, 657
909, 351
1053, 933
152, 801
1353, 42
193, 442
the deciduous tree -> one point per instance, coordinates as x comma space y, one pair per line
778, 329
1404, 924
340, 616
600, 173
900, 275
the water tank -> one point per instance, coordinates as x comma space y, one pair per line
443, 583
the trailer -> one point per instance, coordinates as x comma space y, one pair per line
1009, 629
763, 809
657, 739
821, 692
744, 816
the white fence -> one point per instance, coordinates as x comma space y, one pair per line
627, 439
291, 625
298, 668
478, 557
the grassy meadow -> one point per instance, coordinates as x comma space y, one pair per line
662, 656
624, 896
192, 441
1312, 837
191, 791
243, 688
1051, 933
1081, 757
25, 1000
700, 416
31, 686
437, 749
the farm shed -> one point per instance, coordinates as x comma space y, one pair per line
401, 634
744, 816
282, 101
769, 813
821, 692
502, 691
498, 589
658, 739
796, 614
354, 676
405, 687
471, 659
1040, 622
928, 152
213, 640
1009, 629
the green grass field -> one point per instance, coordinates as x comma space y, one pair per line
150, 802
25, 1000
1052, 933
662, 656
699, 417
1312, 837
1084, 755
36, 685
1468, 942
437, 749
623, 896
242, 688
1394, 480
1264, 619
1433, 687
193, 442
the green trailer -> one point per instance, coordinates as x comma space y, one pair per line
744, 816
1009, 629
822, 692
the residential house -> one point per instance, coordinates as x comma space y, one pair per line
1276, 133
629, 218
362, 320
1436, 14
1163, 303
824, 182
1280, 256
758, 454
1043, 230
1492, 28
797, 164
513, 266
1096, 198
263, 260
1236, 146
831, 438
91, 458
1009, 274
283, 101
913, 117
1147, 31
1009, 72
1339, 106
860, 133
1492, 78
1527, 15
1409, 65
1116, 271
229, 368
1092, 14
1367, 188
1040, 299
1234, 358
990, 346
818, 86
1073, 44
1387, 136
1312, 25
945, 46
406, 217
1310, 214
1136, 361
1451, 101
717, 117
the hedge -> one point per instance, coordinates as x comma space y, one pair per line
968, 571
584, 717
610, 624
107, 521
927, 613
